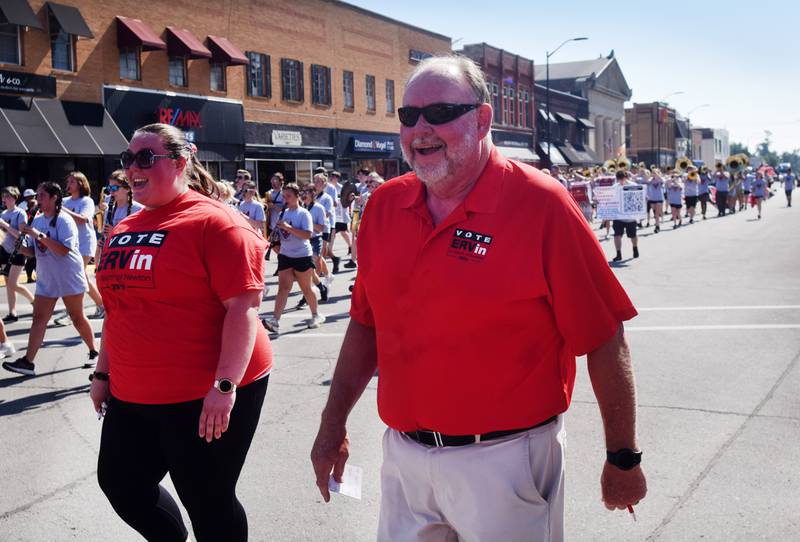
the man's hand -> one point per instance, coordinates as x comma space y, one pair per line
621, 488
216, 414
330, 453
99, 393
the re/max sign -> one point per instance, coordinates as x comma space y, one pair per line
180, 118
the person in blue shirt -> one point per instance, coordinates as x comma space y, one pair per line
10, 221
789, 181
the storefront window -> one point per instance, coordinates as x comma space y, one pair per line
295, 171
389, 96
259, 78
61, 46
292, 80
9, 41
494, 88
320, 85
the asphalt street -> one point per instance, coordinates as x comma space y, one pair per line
717, 354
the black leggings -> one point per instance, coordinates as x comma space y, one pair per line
140, 444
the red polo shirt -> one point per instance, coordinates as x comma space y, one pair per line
479, 319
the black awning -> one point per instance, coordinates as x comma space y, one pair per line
70, 20
10, 143
31, 127
565, 117
83, 128
586, 123
55, 127
19, 12
219, 152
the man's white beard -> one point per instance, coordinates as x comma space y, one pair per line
435, 174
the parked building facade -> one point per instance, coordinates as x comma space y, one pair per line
711, 145
651, 134
602, 83
268, 84
510, 78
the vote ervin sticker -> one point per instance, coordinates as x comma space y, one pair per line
469, 245
129, 258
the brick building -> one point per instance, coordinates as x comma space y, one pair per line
271, 84
510, 80
569, 128
650, 134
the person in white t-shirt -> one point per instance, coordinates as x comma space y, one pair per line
789, 181
627, 226
759, 190
251, 207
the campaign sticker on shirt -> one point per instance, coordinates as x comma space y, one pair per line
129, 260
469, 245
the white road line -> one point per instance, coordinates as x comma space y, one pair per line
721, 327
722, 308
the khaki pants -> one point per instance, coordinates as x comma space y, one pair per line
509, 489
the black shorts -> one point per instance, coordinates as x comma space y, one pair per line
655, 202
326, 237
298, 264
316, 245
675, 205
691, 201
628, 227
703, 197
341, 226
746, 192
18, 259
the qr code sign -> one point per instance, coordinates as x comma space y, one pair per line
632, 202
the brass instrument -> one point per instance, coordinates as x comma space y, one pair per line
683, 163
704, 169
693, 176
610, 165
642, 165
623, 163
734, 163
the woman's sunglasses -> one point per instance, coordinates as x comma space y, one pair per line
112, 188
144, 159
434, 113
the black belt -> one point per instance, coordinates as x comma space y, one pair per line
434, 438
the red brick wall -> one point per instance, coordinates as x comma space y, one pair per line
311, 31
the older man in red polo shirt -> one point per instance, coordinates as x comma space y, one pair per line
479, 283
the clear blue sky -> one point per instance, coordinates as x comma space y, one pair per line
741, 58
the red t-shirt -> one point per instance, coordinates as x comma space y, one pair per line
163, 276
479, 319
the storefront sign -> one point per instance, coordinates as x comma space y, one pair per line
286, 138
418, 56
180, 118
512, 139
27, 84
374, 144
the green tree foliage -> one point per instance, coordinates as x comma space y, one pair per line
738, 148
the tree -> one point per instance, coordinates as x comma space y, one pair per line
765, 152
738, 148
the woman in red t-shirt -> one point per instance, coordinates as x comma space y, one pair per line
184, 361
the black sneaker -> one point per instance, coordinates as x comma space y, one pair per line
335, 260
351, 265
323, 293
301, 303
635, 252
10, 318
618, 257
21, 366
92, 359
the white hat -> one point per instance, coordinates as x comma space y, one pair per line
29, 193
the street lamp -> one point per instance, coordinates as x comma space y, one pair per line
689, 127
547, 91
658, 107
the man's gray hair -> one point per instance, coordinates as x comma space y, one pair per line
468, 68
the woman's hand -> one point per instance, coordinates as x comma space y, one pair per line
216, 414
283, 225
99, 393
28, 230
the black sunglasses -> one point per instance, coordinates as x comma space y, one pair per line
144, 159
434, 113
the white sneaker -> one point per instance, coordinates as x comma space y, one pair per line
326, 280
316, 321
272, 324
7, 349
99, 313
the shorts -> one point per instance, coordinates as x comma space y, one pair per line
691, 201
655, 201
703, 197
746, 192
326, 236
17, 259
300, 265
788, 193
316, 245
341, 226
628, 227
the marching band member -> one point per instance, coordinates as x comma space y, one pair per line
655, 198
760, 190
674, 197
703, 191
691, 192
722, 184
10, 221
